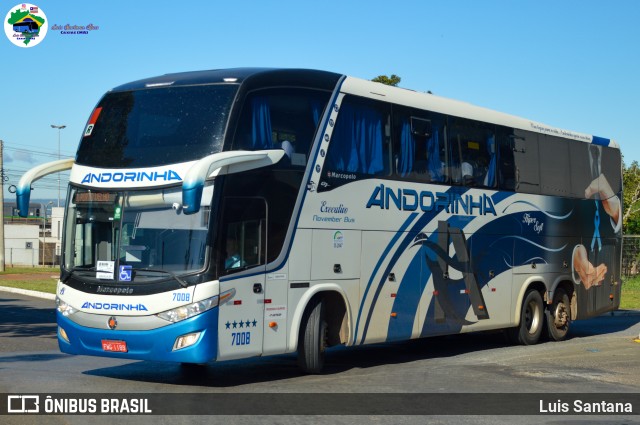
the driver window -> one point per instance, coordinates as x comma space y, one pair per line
244, 234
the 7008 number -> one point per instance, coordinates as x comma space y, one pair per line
240, 338
181, 296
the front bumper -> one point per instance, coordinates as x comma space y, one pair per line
155, 344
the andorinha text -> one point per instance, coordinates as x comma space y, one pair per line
425, 200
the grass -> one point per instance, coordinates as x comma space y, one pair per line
43, 283
630, 286
29, 270
47, 284
630, 294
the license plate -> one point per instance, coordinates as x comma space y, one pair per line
117, 346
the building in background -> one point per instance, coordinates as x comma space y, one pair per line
34, 240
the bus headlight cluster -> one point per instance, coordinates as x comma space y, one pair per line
187, 311
64, 308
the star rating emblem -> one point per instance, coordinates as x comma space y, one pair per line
242, 324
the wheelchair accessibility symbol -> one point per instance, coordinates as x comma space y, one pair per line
125, 274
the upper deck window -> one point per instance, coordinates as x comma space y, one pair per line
153, 127
281, 118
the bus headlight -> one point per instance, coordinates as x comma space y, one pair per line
64, 308
186, 311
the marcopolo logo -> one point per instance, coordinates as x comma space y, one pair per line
25, 25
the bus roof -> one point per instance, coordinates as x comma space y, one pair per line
359, 87
443, 105
266, 76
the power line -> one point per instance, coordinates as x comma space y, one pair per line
35, 153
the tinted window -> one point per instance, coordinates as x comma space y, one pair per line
418, 145
360, 145
156, 126
244, 234
555, 169
581, 173
473, 154
525, 156
611, 168
506, 164
281, 119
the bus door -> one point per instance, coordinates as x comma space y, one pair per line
243, 249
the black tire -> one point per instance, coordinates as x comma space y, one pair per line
312, 338
558, 316
531, 320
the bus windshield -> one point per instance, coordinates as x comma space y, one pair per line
156, 126
144, 231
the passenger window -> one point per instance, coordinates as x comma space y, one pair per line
473, 153
360, 145
525, 155
555, 173
506, 164
581, 170
281, 119
611, 167
418, 145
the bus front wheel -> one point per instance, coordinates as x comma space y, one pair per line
312, 340
531, 320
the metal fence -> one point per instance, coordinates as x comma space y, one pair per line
630, 255
31, 257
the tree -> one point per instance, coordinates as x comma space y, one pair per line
631, 198
393, 80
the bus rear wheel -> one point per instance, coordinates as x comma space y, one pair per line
312, 340
531, 320
558, 316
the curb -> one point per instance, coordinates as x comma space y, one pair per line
36, 294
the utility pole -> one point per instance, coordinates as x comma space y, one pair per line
2, 206
58, 127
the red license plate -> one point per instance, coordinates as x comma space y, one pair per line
117, 346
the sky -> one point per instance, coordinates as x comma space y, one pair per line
573, 64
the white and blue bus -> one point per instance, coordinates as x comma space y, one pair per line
232, 213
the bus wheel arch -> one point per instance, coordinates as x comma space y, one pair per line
531, 319
324, 322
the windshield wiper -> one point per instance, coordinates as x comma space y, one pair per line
173, 275
67, 273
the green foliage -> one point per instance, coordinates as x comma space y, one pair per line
631, 198
393, 80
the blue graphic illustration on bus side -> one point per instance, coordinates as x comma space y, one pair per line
526, 240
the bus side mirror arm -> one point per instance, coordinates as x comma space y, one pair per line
221, 163
23, 191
